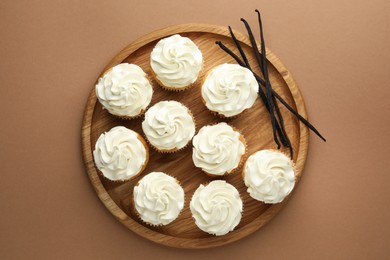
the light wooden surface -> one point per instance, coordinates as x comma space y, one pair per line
254, 124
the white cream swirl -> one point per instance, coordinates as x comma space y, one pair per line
176, 61
120, 154
124, 90
168, 125
269, 176
158, 198
229, 89
216, 207
217, 149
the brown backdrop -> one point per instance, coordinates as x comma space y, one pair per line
51, 53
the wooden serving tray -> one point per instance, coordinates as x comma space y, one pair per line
254, 124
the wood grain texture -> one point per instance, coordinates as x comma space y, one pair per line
254, 124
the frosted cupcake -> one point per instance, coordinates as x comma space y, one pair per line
124, 91
269, 176
216, 207
121, 154
176, 62
218, 149
168, 126
158, 198
229, 89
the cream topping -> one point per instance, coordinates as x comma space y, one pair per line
176, 61
269, 176
158, 198
124, 90
119, 154
229, 89
217, 149
168, 125
216, 207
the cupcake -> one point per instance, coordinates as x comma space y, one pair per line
176, 62
124, 91
216, 207
168, 126
120, 154
158, 198
229, 89
269, 176
218, 149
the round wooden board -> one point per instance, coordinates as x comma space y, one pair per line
254, 124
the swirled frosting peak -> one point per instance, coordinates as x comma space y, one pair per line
217, 149
124, 90
176, 61
168, 125
229, 89
158, 198
216, 207
120, 154
269, 176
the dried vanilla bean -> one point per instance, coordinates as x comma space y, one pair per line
260, 61
261, 92
270, 96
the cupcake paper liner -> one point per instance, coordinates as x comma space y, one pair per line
200, 74
132, 117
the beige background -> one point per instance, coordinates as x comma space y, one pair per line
51, 53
